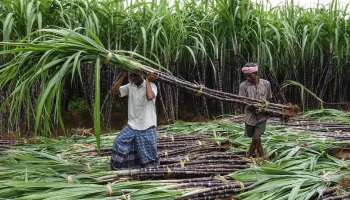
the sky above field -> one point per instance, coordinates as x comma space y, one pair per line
308, 3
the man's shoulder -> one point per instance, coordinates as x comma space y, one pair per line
243, 84
153, 84
264, 81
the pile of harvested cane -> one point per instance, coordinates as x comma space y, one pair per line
189, 161
336, 130
331, 194
186, 156
6, 144
188, 169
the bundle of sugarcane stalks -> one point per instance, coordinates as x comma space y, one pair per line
274, 109
279, 110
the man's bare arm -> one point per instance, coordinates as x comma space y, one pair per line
119, 82
149, 92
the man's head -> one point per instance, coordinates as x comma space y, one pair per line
250, 72
136, 78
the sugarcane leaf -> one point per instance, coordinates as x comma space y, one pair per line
295, 191
49, 90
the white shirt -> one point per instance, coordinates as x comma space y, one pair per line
141, 112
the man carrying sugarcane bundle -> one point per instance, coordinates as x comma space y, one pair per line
136, 145
255, 122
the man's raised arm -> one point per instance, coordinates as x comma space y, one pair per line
118, 83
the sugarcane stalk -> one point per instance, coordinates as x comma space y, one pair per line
180, 174
216, 166
194, 149
208, 165
225, 189
341, 197
218, 156
202, 179
228, 195
201, 184
279, 109
194, 162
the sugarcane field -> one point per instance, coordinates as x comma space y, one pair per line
175, 99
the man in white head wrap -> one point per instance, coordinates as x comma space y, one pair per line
255, 123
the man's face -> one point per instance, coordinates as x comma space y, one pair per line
252, 77
135, 79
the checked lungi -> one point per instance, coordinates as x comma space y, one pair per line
134, 148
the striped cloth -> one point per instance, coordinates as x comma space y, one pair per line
134, 148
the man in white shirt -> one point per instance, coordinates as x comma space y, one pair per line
136, 145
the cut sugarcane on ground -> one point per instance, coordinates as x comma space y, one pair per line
322, 123
198, 161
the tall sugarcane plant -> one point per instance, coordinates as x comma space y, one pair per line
212, 37
207, 41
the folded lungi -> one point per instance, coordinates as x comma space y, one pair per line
134, 148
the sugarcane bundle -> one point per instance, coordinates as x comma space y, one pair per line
280, 110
